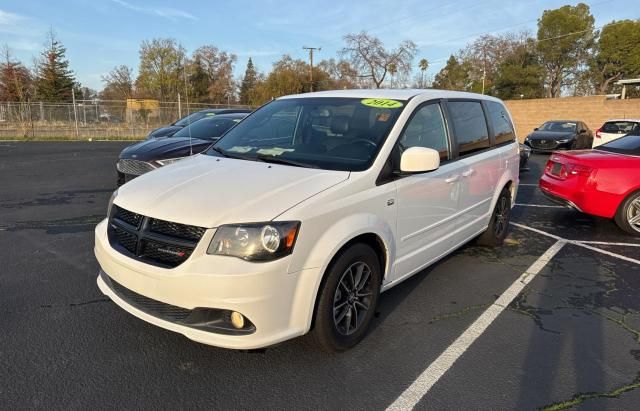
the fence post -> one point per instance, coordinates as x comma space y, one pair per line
75, 111
179, 107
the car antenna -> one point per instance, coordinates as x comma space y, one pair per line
186, 95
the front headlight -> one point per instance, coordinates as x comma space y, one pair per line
113, 197
256, 241
168, 161
566, 140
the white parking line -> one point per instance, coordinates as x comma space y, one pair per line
583, 244
540, 205
421, 386
607, 243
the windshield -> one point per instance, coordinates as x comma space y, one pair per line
629, 144
207, 128
192, 118
328, 133
561, 126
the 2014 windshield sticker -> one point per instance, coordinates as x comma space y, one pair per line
381, 103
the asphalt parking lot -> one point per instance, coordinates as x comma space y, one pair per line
569, 337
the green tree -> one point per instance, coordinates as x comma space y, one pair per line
161, 68
618, 54
54, 81
454, 76
565, 37
249, 83
423, 65
520, 75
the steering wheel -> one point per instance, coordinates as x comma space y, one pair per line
365, 141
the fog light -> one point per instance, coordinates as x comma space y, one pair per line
237, 320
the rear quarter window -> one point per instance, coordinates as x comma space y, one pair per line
470, 126
502, 126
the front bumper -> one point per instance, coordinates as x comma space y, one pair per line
547, 147
276, 302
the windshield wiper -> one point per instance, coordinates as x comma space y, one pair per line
279, 160
219, 150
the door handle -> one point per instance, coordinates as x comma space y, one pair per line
468, 172
452, 179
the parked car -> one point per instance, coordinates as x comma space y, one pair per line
298, 217
525, 153
148, 155
603, 182
167, 131
560, 134
613, 129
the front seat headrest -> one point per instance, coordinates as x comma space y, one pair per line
339, 124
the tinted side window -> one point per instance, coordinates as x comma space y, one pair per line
469, 125
427, 129
502, 126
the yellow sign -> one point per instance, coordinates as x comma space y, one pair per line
381, 103
142, 103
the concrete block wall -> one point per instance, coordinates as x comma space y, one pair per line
593, 110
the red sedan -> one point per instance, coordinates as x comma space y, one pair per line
604, 182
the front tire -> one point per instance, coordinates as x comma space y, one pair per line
499, 224
628, 215
347, 299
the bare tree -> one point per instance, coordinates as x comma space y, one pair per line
120, 81
369, 57
217, 65
15, 89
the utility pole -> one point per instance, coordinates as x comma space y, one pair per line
311, 50
484, 66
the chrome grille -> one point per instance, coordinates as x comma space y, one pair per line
134, 167
157, 242
543, 144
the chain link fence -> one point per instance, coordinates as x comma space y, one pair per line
95, 119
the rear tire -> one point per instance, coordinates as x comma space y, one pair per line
499, 224
628, 215
347, 299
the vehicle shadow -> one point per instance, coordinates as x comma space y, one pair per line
578, 303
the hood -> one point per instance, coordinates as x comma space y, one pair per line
163, 131
208, 191
550, 135
158, 149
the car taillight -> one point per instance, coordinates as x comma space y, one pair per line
598, 133
577, 169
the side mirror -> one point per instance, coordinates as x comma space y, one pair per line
583, 131
419, 160
535, 129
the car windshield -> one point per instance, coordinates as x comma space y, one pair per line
208, 128
320, 132
192, 118
629, 144
621, 127
561, 126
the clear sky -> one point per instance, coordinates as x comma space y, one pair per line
100, 34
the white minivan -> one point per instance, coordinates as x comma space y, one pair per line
302, 214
